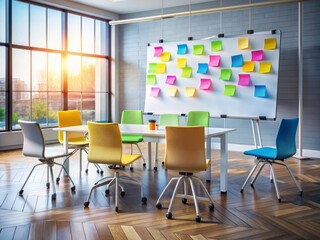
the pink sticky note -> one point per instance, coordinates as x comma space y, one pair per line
171, 80
155, 92
257, 55
158, 51
244, 80
205, 84
214, 61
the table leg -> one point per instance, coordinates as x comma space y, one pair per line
149, 155
208, 156
223, 163
65, 146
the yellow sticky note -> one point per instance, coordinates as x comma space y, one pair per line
182, 62
172, 92
265, 67
165, 57
243, 43
161, 68
190, 92
248, 66
270, 43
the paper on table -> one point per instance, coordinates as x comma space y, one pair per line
205, 84
237, 60
243, 43
270, 43
229, 90
161, 68
260, 91
166, 56
257, 55
216, 46
265, 67
214, 61
186, 72
182, 62
158, 51
248, 66
244, 80
225, 74
190, 92
171, 80
182, 49
202, 68
172, 92
152, 68
155, 92
198, 49
151, 79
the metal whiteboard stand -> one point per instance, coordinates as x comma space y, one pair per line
256, 133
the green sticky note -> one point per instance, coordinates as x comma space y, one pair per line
152, 68
151, 79
186, 72
198, 49
216, 46
229, 90
225, 74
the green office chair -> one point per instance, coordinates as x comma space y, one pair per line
132, 117
198, 118
167, 119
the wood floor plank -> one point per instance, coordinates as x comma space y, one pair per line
63, 230
103, 231
7, 233
21, 232
77, 231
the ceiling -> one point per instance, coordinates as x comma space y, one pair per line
133, 6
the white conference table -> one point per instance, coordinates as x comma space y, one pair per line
159, 136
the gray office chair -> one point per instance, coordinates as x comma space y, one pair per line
34, 146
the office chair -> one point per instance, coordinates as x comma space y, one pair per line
198, 118
185, 153
285, 148
166, 119
34, 146
132, 117
105, 147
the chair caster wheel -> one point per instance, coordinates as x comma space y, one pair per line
169, 215
54, 196
211, 207
158, 205
107, 191
301, 193
57, 180
162, 163
198, 219
271, 180
144, 165
98, 171
48, 185
86, 204
101, 172
241, 190
122, 193
131, 168
184, 200
86, 171
144, 200
155, 168
279, 200
73, 188
117, 209
251, 185
20, 192
123, 166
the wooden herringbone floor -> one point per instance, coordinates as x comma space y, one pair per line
254, 214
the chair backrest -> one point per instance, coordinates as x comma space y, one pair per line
185, 148
286, 138
105, 145
33, 141
198, 118
169, 119
70, 118
132, 117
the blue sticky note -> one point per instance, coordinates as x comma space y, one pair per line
260, 91
237, 60
202, 68
182, 49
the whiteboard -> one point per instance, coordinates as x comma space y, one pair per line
245, 103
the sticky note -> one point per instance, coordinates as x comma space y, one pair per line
229, 90
265, 67
237, 60
166, 56
216, 46
190, 92
151, 79
158, 51
161, 68
248, 66
155, 92
270, 43
260, 91
205, 84
198, 49
244, 80
172, 92
214, 61
225, 74
182, 49
186, 72
257, 55
202, 68
152, 68
182, 62
171, 80
243, 43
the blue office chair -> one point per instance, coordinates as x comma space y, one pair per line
285, 148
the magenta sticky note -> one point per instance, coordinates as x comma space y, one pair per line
155, 92
214, 61
205, 84
171, 80
257, 55
158, 51
244, 80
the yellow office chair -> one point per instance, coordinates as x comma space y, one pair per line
76, 140
105, 147
185, 153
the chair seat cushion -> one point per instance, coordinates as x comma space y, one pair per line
265, 152
131, 138
128, 159
56, 152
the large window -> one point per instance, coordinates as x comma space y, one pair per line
59, 61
